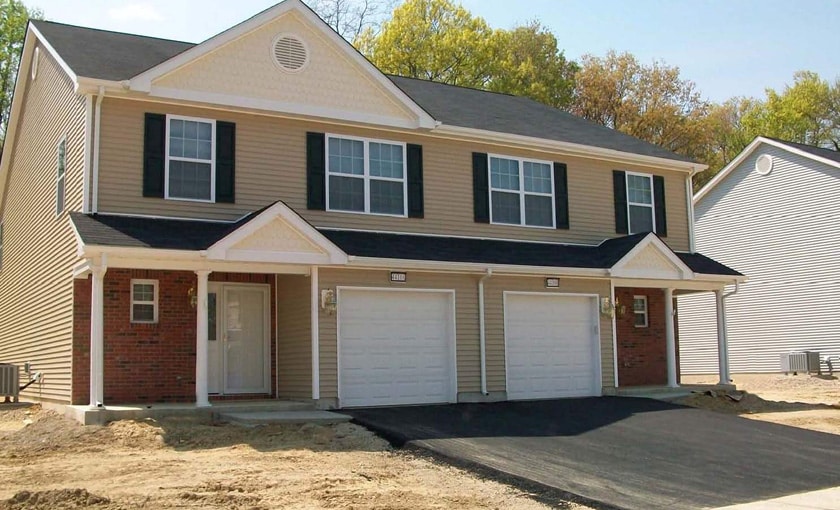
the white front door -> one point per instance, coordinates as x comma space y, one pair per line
238, 334
395, 347
551, 346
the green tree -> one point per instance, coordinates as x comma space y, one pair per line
434, 40
14, 16
528, 63
725, 135
351, 17
651, 102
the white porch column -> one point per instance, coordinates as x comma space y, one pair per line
201, 349
670, 339
97, 340
315, 308
723, 348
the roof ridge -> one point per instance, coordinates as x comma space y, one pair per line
799, 144
139, 36
389, 75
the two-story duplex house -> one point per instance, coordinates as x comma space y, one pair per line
267, 215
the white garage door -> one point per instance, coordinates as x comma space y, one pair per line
551, 346
395, 347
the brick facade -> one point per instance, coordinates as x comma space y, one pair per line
147, 363
641, 351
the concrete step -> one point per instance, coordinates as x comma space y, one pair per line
282, 417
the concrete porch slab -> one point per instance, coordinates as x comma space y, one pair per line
667, 393
89, 416
284, 417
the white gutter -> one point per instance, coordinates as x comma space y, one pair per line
97, 122
482, 337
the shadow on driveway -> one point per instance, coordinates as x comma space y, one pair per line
621, 452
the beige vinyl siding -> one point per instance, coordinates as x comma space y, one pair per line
36, 286
271, 165
494, 289
466, 320
294, 337
782, 231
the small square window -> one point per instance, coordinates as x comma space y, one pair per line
640, 311
60, 181
144, 301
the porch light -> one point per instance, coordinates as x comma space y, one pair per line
328, 301
611, 308
192, 297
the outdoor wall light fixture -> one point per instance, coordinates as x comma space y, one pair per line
192, 297
328, 301
611, 308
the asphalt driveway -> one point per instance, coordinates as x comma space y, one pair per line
622, 452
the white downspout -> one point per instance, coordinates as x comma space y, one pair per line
689, 196
97, 121
88, 149
725, 332
482, 339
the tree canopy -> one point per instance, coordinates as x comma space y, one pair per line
14, 16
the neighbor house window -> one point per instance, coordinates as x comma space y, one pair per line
144, 301
521, 192
640, 202
640, 311
190, 158
60, 180
366, 176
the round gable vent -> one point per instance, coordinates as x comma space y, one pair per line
290, 53
764, 164
36, 57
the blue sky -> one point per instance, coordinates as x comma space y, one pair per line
728, 47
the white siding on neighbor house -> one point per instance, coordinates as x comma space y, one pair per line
782, 231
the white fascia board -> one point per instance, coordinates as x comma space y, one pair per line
219, 250
54, 54
281, 107
571, 149
692, 285
473, 267
662, 248
143, 81
749, 150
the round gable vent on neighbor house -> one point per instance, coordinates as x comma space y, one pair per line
290, 53
764, 164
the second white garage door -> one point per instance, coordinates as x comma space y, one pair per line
395, 347
551, 346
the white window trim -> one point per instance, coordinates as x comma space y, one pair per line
61, 177
651, 205
366, 176
522, 193
153, 303
212, 123
645, 313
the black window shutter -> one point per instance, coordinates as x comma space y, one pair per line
225, 162
316, 160
620, 199
659, 205
154, 157
561, 196
415, 180
481, 188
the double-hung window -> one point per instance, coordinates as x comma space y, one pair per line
640, 311
144, 301
60, 180
640, 208
366, 176
190, 159
521, 192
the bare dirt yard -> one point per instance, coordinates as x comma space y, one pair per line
806, 401
50, 462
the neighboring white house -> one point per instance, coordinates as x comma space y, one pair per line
774, 215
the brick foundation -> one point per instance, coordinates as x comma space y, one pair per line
147, 363
642, 359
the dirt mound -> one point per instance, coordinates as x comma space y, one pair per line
56, 499
745, 403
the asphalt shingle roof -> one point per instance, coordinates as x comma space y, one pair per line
116, 56
137, 232
810, 149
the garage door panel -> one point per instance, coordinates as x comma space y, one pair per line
551, 347
395, 347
